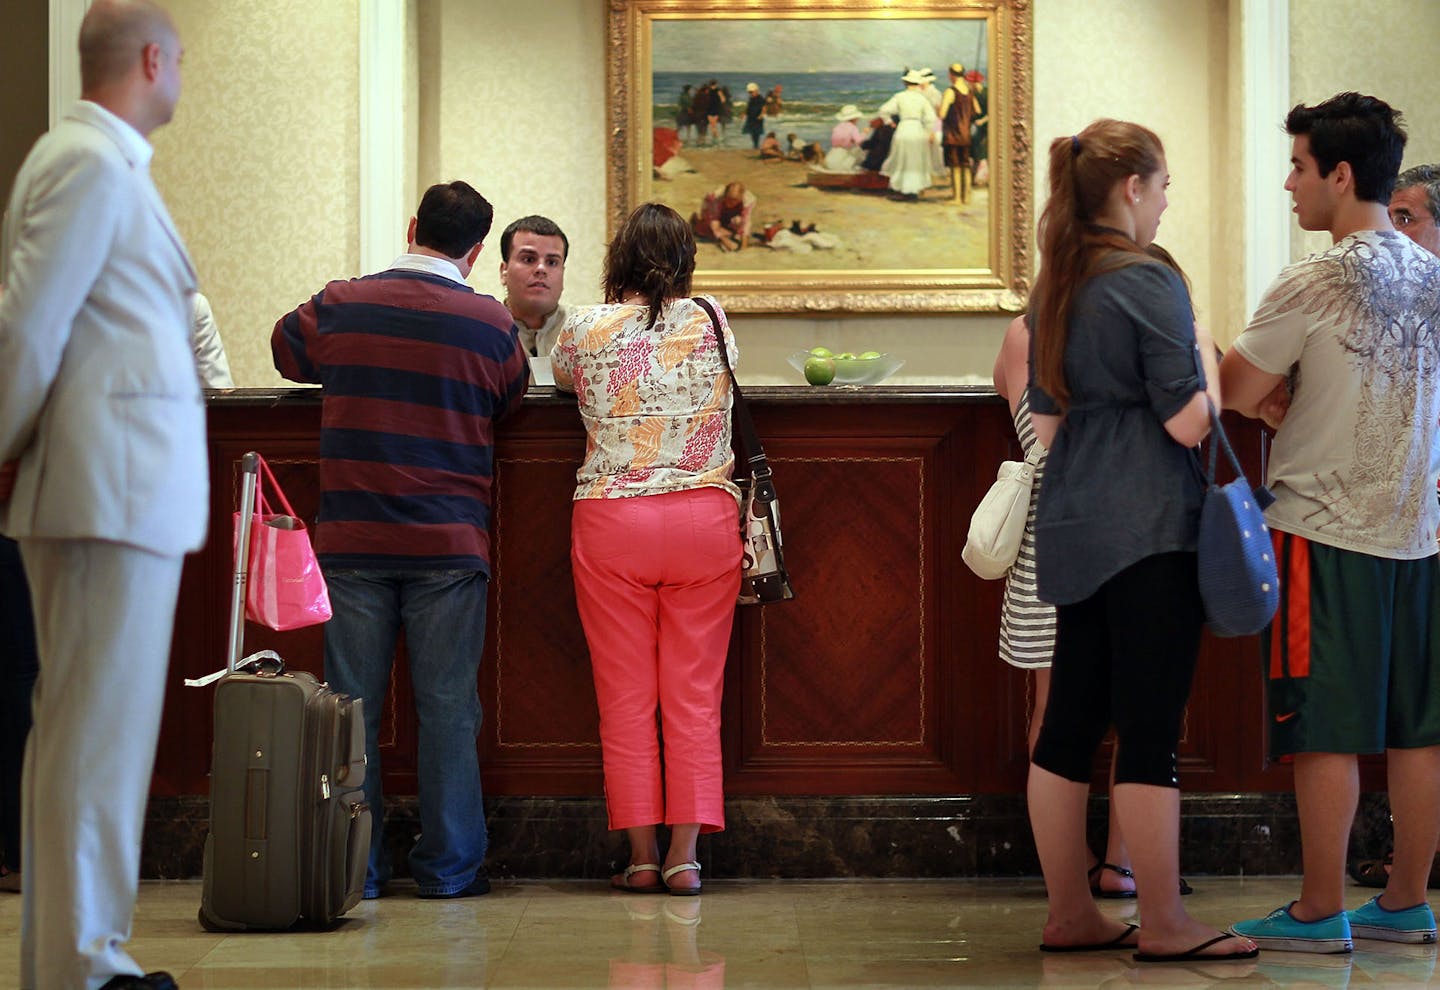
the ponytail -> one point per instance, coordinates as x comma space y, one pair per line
1061, 261
1084, 168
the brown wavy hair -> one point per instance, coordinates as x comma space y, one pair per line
1084, 168
653, 253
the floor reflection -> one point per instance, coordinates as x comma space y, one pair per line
666, 947
965, 934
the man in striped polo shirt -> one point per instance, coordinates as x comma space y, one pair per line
416, 368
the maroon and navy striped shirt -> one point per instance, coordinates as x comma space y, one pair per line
416, 368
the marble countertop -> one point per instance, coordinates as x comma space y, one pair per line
760, 394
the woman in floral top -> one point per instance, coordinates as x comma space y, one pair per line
655, 543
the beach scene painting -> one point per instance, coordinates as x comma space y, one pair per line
852, 148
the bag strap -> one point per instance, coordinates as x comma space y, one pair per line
1263, 496
261, 505
1219, 440
1037, 451
749, 438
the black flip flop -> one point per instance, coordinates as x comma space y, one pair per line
1118, 942
1097, 891
1116, 895
1195, 954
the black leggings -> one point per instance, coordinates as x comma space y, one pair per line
1125, 656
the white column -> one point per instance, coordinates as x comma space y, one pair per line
65, 18
383, 210
1265, 34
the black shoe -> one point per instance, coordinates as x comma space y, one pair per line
1374, 872
477, 888
150, 981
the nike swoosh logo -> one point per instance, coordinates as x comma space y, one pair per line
1286, 717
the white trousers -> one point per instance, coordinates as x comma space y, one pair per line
103, 618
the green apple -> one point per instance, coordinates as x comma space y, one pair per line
820, 352
845, 356
869, 355
819, 370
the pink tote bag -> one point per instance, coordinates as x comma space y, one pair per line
285, 589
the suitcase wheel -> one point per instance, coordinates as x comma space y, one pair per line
209, 924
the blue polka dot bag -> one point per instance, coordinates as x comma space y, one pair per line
1239, 583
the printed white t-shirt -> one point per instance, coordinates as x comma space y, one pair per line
1357, 327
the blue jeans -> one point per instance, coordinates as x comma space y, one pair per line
443, 614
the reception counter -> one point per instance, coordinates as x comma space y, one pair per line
870, 713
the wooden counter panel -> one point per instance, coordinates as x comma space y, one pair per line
881, 677
537, 690
844, 675
847, 662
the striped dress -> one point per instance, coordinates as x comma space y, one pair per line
1027, 625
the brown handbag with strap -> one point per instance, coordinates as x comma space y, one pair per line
765, 578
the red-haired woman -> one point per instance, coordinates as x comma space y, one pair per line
1118, 394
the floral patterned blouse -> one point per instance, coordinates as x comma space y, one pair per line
656, 404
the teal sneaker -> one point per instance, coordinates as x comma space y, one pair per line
1373, 920
1282, 930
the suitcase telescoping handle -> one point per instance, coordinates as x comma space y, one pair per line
249, 478
265, 662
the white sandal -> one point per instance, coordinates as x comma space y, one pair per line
681, 868
680, 919
624, 880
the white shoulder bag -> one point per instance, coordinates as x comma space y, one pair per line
998, 524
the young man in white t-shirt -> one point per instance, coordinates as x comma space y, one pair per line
1343, 355
1415, 211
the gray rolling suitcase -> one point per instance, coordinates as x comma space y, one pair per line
289, 828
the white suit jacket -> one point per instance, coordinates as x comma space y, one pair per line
98, 393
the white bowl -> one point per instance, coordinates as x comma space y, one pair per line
854, 371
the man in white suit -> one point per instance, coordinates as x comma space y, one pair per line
100, 404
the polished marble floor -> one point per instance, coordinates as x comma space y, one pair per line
960, 933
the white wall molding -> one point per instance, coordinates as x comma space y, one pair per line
1265, 34
383, 210
65, 18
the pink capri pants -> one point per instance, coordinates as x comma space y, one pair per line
655, 581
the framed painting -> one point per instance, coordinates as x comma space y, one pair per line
837, 156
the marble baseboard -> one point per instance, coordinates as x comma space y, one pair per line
984, 835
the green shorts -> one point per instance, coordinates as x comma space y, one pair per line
1353, 654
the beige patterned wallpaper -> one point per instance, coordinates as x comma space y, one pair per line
260, 167
1149, 62
510, 100
1385, 49
1226, 316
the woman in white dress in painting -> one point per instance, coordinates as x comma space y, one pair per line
909, 163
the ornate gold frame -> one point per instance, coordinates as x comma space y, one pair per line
1002, 287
